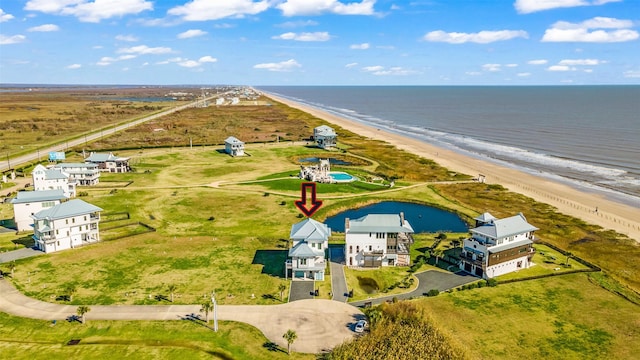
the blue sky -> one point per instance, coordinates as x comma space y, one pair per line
320, 42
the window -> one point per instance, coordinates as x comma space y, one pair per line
358, 248
370, 248
85, 218
73, 220
350, 249
379, 235
66, 221
303, 261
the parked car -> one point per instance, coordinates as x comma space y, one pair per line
360, 325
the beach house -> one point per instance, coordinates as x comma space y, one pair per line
109, 162
498, 246
233, 146
310, 241
27, 203
325, 137
53, 179
83, 174
66, 225
378, 240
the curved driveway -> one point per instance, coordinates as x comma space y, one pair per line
320, 324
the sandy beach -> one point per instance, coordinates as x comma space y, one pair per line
592, 208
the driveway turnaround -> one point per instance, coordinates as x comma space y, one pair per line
319, 324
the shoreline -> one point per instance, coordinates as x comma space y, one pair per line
590, 207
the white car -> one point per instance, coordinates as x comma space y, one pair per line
360, 325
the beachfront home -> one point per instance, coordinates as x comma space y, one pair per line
109, 162
83, 174
53, 179
498, 246
65, 226
378, 240
317, 173
233, 146
325, 137
310, 240
27, 203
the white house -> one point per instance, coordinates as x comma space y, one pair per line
65, 226
310, 240
325, 137
233, 146
109, 162
378, 240
83, 174
27, 203
53, 179
498, 246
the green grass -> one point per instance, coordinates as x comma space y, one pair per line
371, 283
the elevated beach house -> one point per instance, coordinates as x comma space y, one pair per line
233, 146
53, 179
325, 137
27, 203
109, 162
378, 240
65, 226
498, 246
84, 174
310, 241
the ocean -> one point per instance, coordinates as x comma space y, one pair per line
585, 136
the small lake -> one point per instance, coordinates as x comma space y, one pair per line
332, 161
423, 219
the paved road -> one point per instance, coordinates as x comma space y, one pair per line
338, 281
320, 324
427, 280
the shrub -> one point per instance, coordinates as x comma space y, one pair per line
492, 282
83, 193
433, 292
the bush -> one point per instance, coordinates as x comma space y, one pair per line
432, 292
83, 193
492, 282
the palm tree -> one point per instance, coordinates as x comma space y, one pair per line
12, 267
71, 290
82, 310
290, 336
282, 288
206, 308
172, 288
437, 253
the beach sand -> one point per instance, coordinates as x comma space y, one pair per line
592, 208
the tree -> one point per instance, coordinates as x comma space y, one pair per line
206, 308
70, 290
374, 314
290, 336
569, 255
282, 288
172, 288
12, 267
82, 310
437, 253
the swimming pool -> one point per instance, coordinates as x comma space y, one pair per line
341, 176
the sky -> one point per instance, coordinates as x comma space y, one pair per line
320, 42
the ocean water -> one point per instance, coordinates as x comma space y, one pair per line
586, 136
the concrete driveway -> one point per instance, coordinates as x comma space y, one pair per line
338, 281
301, 290
320, 324
19, 254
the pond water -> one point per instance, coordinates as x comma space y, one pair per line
332, 161
423, 219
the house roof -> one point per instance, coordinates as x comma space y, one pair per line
24, 197
233, 140
510, 245
303, 250
310, 229
501, 228
54, 174
104, 157
485, 217
324, 130
67, 209
387, 223
76, 165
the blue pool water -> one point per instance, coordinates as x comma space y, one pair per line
421, 217
341, 176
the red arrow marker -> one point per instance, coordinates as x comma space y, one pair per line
302, 204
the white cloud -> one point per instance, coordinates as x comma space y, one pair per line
492, 67
350, 65
189, 63
90, 11
317, 7
203, 10
306, 36
523, 74
392, 71
482, 37
144, 49
74, 66
128, 38
362, 46
591, 31
13, 39
172, 60
283, 66
529, 6
4, 16
107, 60
588, 62
224, 26
537, 62
207, 59
511, 65
97, 47
473, 73
296, 24
561, 68
191, 33
44, 28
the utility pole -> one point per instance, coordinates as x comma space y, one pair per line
215, 311
8, 162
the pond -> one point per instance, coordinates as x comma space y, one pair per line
423, 218
332, 161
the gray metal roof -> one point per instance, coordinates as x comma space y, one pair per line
485, 217
387, 223
75, 165
104, 157
67, 209
510, 245
303, 250
54, 174
325, 130
501, 228
24, 197
233, 140
310, 229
